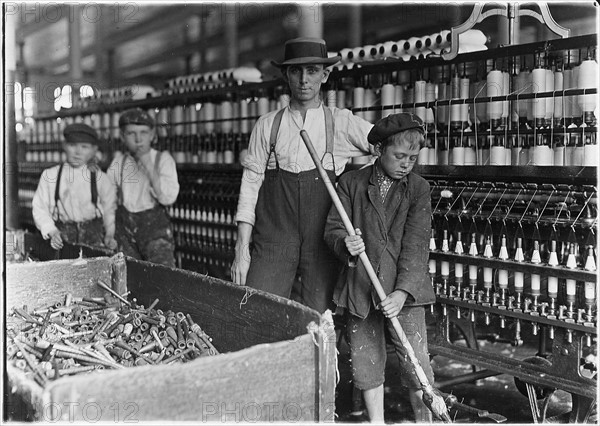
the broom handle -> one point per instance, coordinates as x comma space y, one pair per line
365, 259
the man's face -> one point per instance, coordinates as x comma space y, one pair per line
397, 159
79, 153
137, 138
305, 81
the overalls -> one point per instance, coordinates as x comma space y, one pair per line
287, 238
145, 235
89, 232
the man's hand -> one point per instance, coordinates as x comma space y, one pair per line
393, 303
240, 265
56, 241
355, 243
110, 242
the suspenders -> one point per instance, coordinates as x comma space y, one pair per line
120, 184
93, 188
329, 132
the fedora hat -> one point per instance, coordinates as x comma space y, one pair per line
306, 50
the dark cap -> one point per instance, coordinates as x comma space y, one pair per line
136, 116
80, 133
393, 124
306, 50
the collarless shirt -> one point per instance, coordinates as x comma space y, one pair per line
350, 140
138, 193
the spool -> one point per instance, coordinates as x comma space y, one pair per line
387, 98
470, 156
542, 156
209, 114
464, 94
358, 100
331, 98
244, 124
549, 115
498, 156
398, 98
559, 155
538, 85
262, 106
505, 91
567, 101
420, 97
341, 99
590, 155
558, 100
226, 114
413, 45
455, 110
458, 156
576, 105
587, 79
423, 158
495, 84
177, 119
472, 37
442, 110
370, 116
347, 55
429, 97
388, 49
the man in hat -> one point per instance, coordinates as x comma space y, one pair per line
283, 204
391, 207
146, 181
75, 201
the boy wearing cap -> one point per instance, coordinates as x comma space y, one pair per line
282, 204
146, 181
75, 201
391, 209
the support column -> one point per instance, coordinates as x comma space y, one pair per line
75, 70
311, 20
231, 41
101, 72
11, 197
355, 26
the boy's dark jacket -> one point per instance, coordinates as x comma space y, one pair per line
397, 245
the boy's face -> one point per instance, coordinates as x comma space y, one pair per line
305, 80
398, 158
79, 153
137, 138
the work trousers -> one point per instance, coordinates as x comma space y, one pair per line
146, 235
287, 239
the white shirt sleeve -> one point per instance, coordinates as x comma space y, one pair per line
43, 202
169, 184
254, 170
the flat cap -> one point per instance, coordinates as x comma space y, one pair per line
136, 116
392, 124
80, 133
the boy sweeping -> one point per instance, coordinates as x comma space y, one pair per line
392, 207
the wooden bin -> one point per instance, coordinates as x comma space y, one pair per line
277, 360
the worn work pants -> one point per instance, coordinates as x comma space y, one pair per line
288, 238
89, 233
146, 235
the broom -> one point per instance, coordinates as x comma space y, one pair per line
434, 401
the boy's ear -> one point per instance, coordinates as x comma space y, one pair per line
326, 72
377, 149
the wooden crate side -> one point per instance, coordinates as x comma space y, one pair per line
327, 369
236, 317
37, 284
23, 396
268, 382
